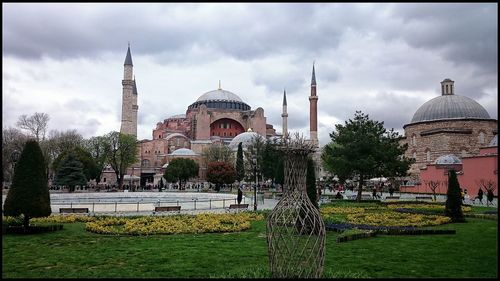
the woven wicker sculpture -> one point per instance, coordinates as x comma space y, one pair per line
295, 229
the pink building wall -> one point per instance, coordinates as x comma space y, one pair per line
473, 170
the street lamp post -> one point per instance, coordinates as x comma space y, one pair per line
254, 162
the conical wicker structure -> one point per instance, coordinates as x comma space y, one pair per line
295, 229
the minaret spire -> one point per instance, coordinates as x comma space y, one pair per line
313, 79
284, 115
129, 97
313, 110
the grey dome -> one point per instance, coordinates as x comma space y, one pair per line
183, 152
245, 138
447, 159
449, 107
219, 95
494, 141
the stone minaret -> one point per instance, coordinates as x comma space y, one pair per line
313, 110
129, 98
285, 116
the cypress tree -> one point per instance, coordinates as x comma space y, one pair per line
454, 199
311, 183
240, 169
70, 172
29, 192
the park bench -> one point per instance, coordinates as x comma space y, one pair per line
423, 197
168, 209
391, 197
73, 210
238, 206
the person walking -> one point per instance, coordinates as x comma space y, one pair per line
240, 195
480, 195
374, 193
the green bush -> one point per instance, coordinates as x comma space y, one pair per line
29, 193
453, 208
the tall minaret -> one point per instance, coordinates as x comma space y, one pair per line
285, 117
313, 110
129, 98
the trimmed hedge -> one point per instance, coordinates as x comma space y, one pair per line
32, 229
388, 230
356, 236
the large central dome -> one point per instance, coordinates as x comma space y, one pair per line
220, 99
219, 94
450, 107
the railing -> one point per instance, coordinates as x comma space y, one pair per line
147, 206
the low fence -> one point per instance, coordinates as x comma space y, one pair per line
142, 206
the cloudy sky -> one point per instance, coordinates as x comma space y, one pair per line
383, 59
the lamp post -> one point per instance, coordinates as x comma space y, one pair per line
254, 162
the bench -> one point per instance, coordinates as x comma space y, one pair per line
168, 208
73, 210
238, 206
423, 197
392, 197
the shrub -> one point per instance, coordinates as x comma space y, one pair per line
29, 193
454, 199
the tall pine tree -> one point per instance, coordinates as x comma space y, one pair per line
70, 172
240, 168
454, 199
311, 182
29, 192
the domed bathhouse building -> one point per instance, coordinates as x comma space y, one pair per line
448, 124
452, 128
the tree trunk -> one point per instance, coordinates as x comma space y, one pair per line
120, 182
360, 188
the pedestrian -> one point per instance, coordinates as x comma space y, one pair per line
480, 195
391, 190
374, 192
240, 195
489, 195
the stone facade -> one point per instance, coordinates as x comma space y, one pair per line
429, 140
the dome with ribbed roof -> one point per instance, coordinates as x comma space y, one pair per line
447, 160
245, 138
450, 107
220, 99
219, 94
183, 152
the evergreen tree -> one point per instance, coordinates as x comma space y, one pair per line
29, 192
240, 168
364, 148
70, 172
311, 182
90, 169
454, 199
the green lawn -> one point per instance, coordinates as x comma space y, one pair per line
73, 252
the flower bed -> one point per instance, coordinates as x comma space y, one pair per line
396, 219
174, 224
427, 208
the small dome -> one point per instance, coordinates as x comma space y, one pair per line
245, 138
450, 107
219, 94
494, 141
447, 160
183, 152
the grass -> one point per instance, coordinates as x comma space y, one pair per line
75, 253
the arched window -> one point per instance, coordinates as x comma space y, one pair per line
145, 163
481, 137
414, 156
414, 140
428, 154
464, 153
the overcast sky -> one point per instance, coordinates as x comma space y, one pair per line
383, 59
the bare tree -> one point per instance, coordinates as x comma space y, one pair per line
218, 153
13, 141
35, 124
433, 185
489, 186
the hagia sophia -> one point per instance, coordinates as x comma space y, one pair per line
216, 117
446, 125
